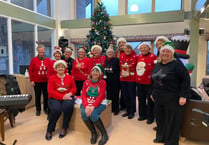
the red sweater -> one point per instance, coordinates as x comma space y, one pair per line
38, 69
51, 71
95, 101
100, 60
144, 72
55, 82
131, 62
81, 69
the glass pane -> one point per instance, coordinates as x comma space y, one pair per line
23, 44
45, 34
4, 59
44, 7
84, 8
162, 5
23, 3
111, 7
138, 7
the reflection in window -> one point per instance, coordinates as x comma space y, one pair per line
162, 5
84, 8
111, 7
23, 3
45, 34
138, 7
23, 44
4, 60
44, 7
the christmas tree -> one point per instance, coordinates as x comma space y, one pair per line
101, 30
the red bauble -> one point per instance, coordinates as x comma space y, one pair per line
99, 10
104, 27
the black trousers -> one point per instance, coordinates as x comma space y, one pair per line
79, 86
168, 119
57, 107
113, 93
41, 87
145, 103
121, 98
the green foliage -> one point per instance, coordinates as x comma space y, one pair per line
101, 29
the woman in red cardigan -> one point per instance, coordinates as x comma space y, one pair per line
93, 103
81, 69
61, 89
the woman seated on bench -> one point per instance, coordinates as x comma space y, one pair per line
93, 103
61, 88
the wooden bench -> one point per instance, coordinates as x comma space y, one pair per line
76, 122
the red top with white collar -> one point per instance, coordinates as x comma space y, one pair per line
38, 69
91, 100
131, 62
81, 69
143, 75
55, 83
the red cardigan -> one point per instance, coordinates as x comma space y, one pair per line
81, 69
38, 69
95, 101
145, 75
131, 61
55, 82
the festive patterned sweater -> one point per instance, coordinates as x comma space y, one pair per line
128, 66
58, 87
93, 93
144, 67
100, 60
81, 69
38, 69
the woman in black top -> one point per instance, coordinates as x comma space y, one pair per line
171, 88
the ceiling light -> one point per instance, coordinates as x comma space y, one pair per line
134, 8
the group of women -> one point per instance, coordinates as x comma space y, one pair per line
162, 80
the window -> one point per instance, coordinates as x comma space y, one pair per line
45, 34
207, 67
4, 60
111, 7
139, 6
84, 8
23, 3
44, 7
162, 5
23, 44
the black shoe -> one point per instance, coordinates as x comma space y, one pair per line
130, 116
48, 136
46, 111
125, 114
116, 113
156, 140
63, 133
149, 121
155, 128
122, 108
141, 118
38, 113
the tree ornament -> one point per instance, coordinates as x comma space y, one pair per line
104, 28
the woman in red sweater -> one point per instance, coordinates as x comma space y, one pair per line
127, 62
98, 58
61, 89
81, 69
93, 103
145, 64
38, 68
